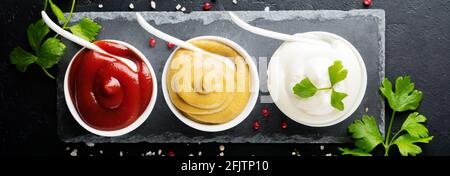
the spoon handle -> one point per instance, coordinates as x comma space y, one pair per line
149, 28
69, 35
165, 36
260, 31
82, 41
273, 34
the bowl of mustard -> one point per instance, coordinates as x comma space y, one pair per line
206, 94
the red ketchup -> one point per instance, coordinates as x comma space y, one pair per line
107, 93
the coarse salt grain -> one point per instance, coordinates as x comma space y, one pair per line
159, 152
74, 152
90, 144
267, 9
183, 9
322, 147
100, 6
153, 4
178, 7
234, 1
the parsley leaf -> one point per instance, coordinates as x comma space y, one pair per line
21, 58
36, 32
305, 88
406, 146
354, 152
336, 99
413, 125
337, 72
50, 53
86, 29
366, 133
416, 132
405, 97
58, 12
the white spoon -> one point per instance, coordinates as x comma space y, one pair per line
274, 35
83, 42
149, 28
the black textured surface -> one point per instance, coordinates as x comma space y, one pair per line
417, 44
162, 126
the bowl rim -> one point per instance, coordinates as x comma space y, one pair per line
138, 122
238, 119
361, 91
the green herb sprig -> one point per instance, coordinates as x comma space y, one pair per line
337, 73
48, 52
367, 136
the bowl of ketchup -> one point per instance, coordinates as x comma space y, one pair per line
104, 95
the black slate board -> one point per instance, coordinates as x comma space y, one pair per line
363, 28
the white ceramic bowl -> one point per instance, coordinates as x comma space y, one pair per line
130, 127
247, 110
323, 120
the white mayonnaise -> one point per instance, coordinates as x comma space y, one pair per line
294, 61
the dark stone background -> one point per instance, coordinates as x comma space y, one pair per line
417, 44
